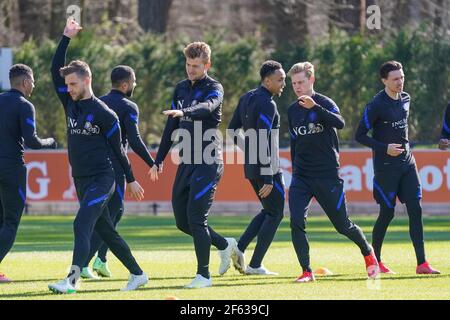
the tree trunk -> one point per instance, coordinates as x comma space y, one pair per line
57, 18
345, 14
362, 16
10, 35
153, 15
286, 23
34, 17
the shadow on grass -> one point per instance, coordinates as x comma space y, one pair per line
260, 281
159, 233
33, 280
146, 289
384, 278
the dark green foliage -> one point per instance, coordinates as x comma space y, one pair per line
346, 70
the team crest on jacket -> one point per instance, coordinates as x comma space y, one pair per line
89, 129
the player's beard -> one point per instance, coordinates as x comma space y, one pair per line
129, 93
79, 96
197, 77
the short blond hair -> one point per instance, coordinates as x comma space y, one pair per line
198, 50
306, 67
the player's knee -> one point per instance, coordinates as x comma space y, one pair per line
297, 224
387, 213
345, 227
390, 216
80, 225
279, 216
343, 231
118, 217
274, 213
414, 209
10, 229
77, 226
11, 224
183, 227
109, 235
414, 205
197, 225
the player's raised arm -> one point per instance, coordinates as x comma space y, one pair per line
59, 59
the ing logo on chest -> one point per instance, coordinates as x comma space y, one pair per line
311, 128
88, 129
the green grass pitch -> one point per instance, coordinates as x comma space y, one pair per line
42, 255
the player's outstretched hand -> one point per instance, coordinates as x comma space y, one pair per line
306, 102
135, 190
443, 144
53, 143
72, 28
265, 190
154, 173
394, 150
174, 113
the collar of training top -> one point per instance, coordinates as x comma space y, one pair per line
199, 82
86, 101
115, 91
388, 98
17, 91
265, 90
